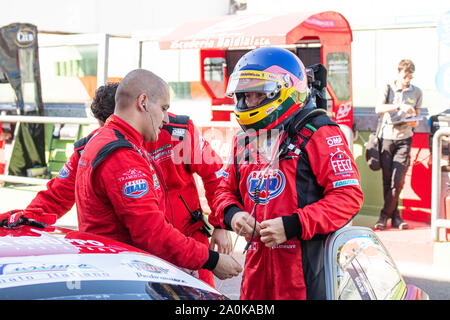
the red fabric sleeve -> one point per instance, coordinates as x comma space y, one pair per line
227, 192
146, 223
205, 162
334, 167
60, 194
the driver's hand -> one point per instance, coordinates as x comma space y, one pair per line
243, 224
227, 267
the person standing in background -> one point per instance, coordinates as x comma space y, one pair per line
400, 106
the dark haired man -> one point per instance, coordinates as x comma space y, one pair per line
401, 99
120, 191
196, 156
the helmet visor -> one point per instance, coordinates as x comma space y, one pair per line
254, 81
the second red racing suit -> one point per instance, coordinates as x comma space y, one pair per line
181, 152
119, 194
179, 139
59, 197
318, 182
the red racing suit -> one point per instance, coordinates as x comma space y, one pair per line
59, 197
318, 182
181, 152
179, 139
119, 194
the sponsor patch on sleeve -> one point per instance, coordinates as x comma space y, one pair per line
221, 173
64, 172
346, 182
135, 188
334, 141
341, 162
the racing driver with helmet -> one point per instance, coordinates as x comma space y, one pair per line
290, 181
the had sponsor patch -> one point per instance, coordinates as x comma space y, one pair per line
64, 172
346, 182
135, 188
272, 185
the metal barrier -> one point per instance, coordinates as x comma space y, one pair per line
436, 222
50, 120
45, 120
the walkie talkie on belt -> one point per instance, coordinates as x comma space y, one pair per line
198, 215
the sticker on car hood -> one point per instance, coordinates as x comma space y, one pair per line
32, 270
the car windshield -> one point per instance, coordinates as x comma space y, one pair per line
366, 271
107, 290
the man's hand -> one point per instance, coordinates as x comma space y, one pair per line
243, 224
35, 218
222, 239
272, 232
408, 109
227, 267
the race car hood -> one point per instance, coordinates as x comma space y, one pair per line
26, 241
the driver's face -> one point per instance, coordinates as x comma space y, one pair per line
253, 99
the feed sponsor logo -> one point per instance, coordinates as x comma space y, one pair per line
341, 162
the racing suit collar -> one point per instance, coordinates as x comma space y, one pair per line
132, 134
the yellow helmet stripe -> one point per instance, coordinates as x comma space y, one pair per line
256, 115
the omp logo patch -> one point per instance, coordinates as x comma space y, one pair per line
135, 189
64, 172
178, 133
334, 141
272, 185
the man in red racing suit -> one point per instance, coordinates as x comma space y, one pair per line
181, 151
178, 139
120, 192
297, 196
309, 206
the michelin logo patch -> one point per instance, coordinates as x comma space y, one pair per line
64, 172
346, 182
135, 189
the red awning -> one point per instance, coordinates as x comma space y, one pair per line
243, 31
